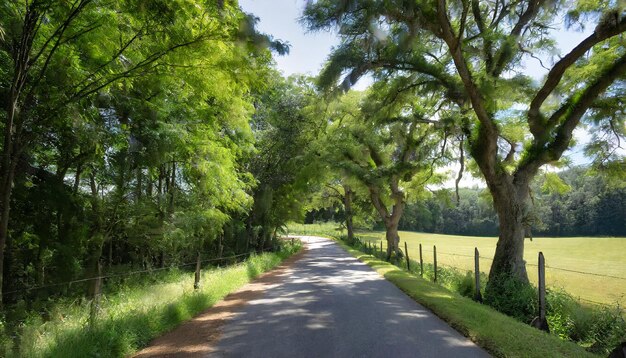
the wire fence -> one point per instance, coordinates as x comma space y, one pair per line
377, 243
130, 273
535, 265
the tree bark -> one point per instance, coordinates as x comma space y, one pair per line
392, 219
139, 187
511, 203
172, 188
391, 234
347, 202
5, 199
79, 170
94, 248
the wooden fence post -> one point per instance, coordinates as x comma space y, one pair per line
406, 253
541, 322
381, 248
435, 261
196, 282
477, 296
95, 300
421, 262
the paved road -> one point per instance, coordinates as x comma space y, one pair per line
331, 305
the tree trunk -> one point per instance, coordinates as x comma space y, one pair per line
149, 184
94, 247
79, 170
9, 285
347, 202
172, 188
391, 226
139, 187
110, 252
392, 219
7, 174
220, 246
393, 238
511, 203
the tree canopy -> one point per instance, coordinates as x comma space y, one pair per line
469, 54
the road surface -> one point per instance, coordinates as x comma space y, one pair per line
328, 304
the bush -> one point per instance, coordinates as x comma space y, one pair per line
559, 313
512, 297
608, 329
466, 286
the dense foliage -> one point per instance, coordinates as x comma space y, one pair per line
138, 135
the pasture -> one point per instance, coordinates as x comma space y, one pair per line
596, 257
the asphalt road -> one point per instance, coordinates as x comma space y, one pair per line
328, 304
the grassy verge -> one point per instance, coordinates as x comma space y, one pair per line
501, 335
130, 318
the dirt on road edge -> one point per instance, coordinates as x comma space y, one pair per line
197, 337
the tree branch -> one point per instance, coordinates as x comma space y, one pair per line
506, 53
535, 120
461, 169
487, 43
569, 116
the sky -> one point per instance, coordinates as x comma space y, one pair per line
279, 18
309, 51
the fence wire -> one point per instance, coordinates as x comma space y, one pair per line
376, 245
125, 274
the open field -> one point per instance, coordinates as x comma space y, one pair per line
598, 257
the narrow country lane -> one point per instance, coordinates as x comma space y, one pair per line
328, 304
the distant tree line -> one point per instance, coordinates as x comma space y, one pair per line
574, 203
583, 205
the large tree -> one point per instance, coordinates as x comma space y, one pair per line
386, 142
471, 53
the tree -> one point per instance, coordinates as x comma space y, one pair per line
470, 53
284, 125
68, 66
387, 146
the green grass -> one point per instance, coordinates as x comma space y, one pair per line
502, 336
129, 319
603, 256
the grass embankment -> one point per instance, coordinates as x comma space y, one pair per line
130, 318
501, 335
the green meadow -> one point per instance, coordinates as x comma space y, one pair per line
597, 257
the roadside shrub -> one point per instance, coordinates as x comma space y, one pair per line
560, 312
466, 286
512, 297
608, 329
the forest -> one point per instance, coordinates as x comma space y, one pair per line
145, 134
